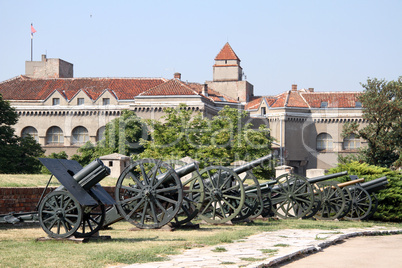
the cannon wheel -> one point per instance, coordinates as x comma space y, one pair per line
224, 194
374, 205
92, 220
361, 204
292, 196
148, 193
348, 202
332, 200
267, 205
258, 200
193, 195
60, 214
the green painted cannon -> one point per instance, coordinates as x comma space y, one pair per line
149, 194
364, 202
225, 193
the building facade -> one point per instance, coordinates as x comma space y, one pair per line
62, 112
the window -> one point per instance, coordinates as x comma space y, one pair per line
80, 135
324, 104
324, 142
351, 142
56, 101
263, 111
110, 163
101, 134
54, 135
106, 101
30, 131
80, 101
358, 104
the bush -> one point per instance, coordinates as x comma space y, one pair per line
390, 199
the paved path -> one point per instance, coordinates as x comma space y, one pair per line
264, 249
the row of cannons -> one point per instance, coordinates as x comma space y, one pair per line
152, 193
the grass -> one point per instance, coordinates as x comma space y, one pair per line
19, 247
268, 251
39, 180
281, 245
219, 249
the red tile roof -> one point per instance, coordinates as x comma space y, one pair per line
178, 87
25, 88
302, 99
227, 53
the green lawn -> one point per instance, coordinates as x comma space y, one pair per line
19, 248
37, 180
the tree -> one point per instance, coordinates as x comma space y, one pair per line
221, 140
382, 109
122, 135
17, 154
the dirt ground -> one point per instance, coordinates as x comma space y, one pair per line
368, 251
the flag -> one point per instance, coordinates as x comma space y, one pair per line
32, 31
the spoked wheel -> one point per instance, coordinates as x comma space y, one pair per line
60, 214
148, 193
224, 194
267, 205
92, 220
332, 200
253, 189
348, 202
250, 206
374, 205
292, 196
193, 195
361, 204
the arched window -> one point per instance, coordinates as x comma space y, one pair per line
80, 135
351, 142
324, 142
30, 131
54, 135
101, 134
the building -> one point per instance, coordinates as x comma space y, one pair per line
307, 125
62, 112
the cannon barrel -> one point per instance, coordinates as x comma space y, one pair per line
252, 164
375, 185
184, 170
327, 177
368, 184
91, 174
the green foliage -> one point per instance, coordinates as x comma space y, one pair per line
218, 141
390, 199
17, 154
382, 109
122, 135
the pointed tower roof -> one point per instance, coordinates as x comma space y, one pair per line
227, 53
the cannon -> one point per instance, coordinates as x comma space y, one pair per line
149, 193
78, 206
364, 202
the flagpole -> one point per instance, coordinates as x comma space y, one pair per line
31, 41
31, 45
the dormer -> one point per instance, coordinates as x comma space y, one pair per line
56, 98
227, 66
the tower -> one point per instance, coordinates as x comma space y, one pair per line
228, 74
227, 65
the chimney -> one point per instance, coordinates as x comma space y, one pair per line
294, 87
310, 89
205, 90
43, 57
177, 76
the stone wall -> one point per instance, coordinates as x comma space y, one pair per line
25, 199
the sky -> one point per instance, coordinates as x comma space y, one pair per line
326, 45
